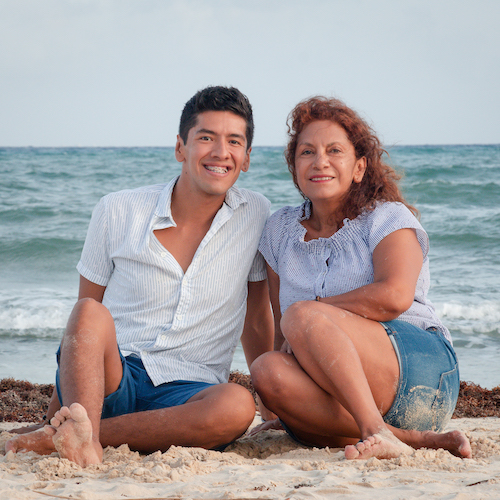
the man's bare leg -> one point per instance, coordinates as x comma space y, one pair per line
90, 368
212, 418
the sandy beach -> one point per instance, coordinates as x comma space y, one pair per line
268, 465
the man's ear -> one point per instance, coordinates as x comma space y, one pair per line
246, 163
179, 149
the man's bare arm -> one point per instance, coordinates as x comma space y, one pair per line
90, 290
258, 331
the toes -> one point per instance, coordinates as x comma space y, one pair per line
49, 430
351, 452
60, 416
78, 412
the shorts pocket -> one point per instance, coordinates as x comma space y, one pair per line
446, 399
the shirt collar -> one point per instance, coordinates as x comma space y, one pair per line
234, 198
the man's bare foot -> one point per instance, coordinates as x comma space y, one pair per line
25, 429
37, 441
71, 432
381, 445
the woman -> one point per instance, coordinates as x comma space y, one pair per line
361, 354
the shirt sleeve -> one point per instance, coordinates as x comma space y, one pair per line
258, 269
392, 216
272, 237
95, 262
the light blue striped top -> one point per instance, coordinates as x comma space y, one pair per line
183, 326
331, 266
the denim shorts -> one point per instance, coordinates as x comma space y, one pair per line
429, 381
137, 393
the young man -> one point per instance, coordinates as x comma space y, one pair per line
167, 273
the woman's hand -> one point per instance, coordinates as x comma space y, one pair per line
269, 424
264, 412
286, 348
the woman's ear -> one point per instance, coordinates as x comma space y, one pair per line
359, 170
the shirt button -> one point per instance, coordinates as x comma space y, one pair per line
179, 317
163, 254
164, 337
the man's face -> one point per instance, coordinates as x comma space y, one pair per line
214, 154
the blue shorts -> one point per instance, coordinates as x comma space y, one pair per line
137, 393
429, 381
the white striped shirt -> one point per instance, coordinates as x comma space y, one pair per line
331, 266
183, 326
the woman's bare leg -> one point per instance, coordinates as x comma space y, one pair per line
347, 371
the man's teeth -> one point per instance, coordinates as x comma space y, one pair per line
217, 170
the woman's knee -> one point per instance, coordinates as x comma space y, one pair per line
299, 320
268, 374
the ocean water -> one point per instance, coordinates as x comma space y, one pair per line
47, 196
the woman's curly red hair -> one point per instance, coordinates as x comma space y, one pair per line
380, 181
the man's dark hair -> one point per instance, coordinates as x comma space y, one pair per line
216, 98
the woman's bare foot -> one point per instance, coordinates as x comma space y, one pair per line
381, 445
455, 442
71, 432
37, 441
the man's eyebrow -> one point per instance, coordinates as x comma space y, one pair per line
205, 131
211, 132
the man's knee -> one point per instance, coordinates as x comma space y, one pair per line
89, 316
229, 412
88, 307
240, 405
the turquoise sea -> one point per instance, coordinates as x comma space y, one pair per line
47, 196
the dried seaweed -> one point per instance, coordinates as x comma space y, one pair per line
22, 401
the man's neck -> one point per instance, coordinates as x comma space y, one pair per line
187, 206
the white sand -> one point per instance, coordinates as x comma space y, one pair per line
266, 466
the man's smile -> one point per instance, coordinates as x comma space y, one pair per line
217, 169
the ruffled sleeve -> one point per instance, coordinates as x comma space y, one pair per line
389, 217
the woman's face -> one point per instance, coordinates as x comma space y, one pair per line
325, 162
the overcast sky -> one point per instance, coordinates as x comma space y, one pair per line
118, 72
